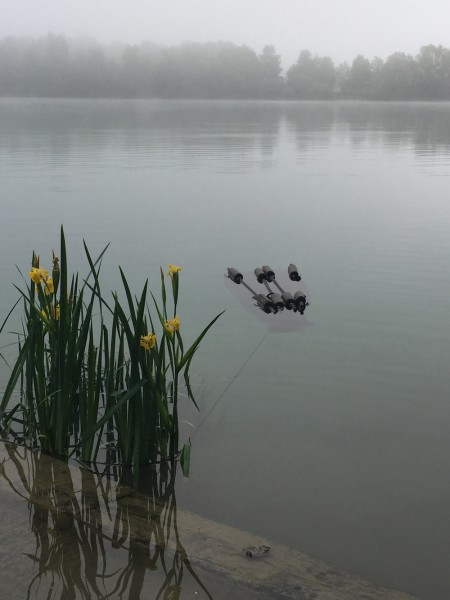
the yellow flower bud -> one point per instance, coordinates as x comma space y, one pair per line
55, 260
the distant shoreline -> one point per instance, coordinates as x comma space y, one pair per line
58, 67
330, 101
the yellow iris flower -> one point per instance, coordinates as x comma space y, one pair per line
148, 341
172, 270
173, 324
49, 287
37, 274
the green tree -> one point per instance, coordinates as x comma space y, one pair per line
399, 77
239, 72
359, 83
312, 77
11, 64
434, 72
272, 81
342, 76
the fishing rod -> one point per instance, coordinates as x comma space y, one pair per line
267, 305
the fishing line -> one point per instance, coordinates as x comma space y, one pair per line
272, 303
233, 379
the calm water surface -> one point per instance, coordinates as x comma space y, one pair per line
332, 438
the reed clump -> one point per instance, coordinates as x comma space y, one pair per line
98, 376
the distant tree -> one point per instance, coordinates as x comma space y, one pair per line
220, 70
133, 78
199, 70
376, 68
359, 83
312, 77
434, 72
240, 72
96, 75
57, 66
399, 77
342, 74
46, 66
11, 64
272, 81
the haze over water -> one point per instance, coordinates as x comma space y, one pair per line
341, 30
334, 437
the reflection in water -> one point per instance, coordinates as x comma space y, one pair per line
223, 137
96, 539
158, 134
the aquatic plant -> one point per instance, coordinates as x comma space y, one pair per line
108, 378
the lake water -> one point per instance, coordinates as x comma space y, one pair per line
332, 438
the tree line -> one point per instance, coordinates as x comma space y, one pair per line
55, 66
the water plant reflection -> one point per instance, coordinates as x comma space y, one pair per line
95, 538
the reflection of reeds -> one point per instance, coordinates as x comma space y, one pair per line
88, 382
103, 540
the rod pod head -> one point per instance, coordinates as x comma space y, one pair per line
294, 275
270, 275
234, 275
260, 275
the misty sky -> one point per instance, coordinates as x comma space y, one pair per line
337, 28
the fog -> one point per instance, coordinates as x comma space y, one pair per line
340, 30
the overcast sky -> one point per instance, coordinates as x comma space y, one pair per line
337, 28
